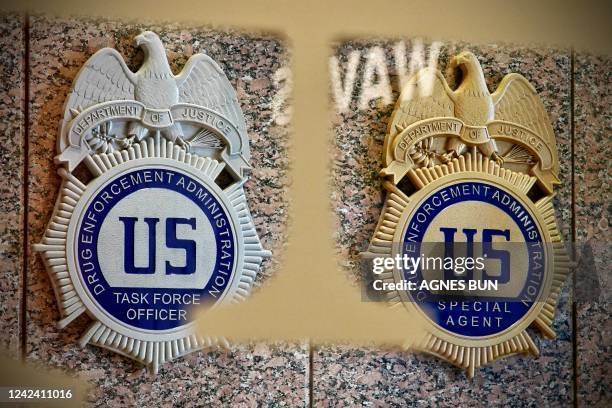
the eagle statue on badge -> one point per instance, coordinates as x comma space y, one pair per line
477, 169
106, 77
155, 220
428, 95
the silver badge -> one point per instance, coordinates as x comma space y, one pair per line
163, 225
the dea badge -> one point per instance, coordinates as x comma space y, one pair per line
161, 224
469, 216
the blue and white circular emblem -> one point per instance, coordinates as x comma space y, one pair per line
478, 220
152, 243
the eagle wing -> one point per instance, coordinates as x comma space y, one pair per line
104, 77
426, 95
202, 82
517, 101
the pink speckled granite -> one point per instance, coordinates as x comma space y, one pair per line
245, 375
345, 376
592, 121
12, 53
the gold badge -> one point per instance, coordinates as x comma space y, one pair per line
467, 240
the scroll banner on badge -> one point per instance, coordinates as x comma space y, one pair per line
543, 170
84, 122
405, 142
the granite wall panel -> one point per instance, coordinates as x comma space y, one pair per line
344, 376
12, 66
592, 121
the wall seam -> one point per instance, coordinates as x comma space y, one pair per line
26, 184
573, 229
310, 374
